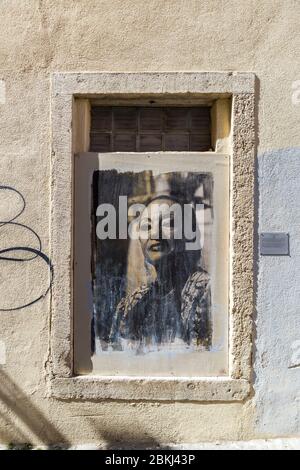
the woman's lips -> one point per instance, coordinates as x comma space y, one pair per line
159, 246
156, 247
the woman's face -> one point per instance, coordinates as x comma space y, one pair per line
157, 231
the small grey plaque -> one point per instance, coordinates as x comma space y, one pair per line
276, 243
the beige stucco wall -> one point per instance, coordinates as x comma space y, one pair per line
41, 37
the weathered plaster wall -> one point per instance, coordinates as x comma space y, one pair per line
277, 362
40, 37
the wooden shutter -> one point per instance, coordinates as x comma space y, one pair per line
150, 129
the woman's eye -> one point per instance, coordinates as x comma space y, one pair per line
168, 224
145, 226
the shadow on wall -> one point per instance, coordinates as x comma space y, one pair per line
21, 422
136, 438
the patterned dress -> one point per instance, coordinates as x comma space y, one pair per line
147, 318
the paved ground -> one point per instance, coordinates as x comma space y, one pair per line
261, 444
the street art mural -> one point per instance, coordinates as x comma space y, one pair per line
151, 289
151, 264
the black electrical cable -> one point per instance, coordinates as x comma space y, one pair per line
37, 252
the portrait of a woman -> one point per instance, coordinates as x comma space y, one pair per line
175, 307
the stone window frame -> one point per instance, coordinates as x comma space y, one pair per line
71, 93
